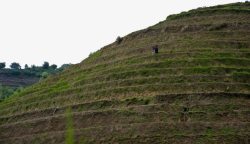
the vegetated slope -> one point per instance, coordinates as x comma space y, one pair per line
196, 90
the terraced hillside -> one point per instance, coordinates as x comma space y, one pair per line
195, 90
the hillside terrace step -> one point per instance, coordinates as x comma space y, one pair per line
45, 90
134, 130
100, 118
169, 62
189, 28
158, 111
97, 67
146, 72
153, 72
93, 84
176, 64
171, 102
139, 104
165, 56
151, 81
202, 12
153, 58
124, 115
184, 39
122, 73
142, 39
119, 73
104, 63
216, 18
126, 92
59, 138
168, 47
178, 138
169, 55
181, 27
219, 31
162, 79
208, 20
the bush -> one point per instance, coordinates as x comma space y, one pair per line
45, 75
5, 92
119, 40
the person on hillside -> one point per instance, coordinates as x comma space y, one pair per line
155, 49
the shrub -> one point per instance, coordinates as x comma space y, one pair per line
119, 40
5, 92
45, 75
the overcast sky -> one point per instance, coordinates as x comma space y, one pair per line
66, 31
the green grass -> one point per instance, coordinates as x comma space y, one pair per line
144, 73
234, 8
70, 127
5, 92
135, 91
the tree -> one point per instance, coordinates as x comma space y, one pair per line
45, 65
53, 66
2, 65
15, 65
33, 67
26, 66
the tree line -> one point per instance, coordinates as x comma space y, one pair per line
39, 71
16, 65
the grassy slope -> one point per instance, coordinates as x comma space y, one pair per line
196, 90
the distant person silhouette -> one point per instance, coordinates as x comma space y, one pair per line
155, 49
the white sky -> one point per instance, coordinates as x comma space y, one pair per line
66, 31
